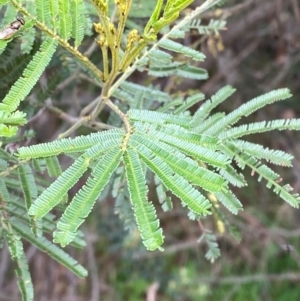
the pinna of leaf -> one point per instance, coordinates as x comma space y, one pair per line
7, 32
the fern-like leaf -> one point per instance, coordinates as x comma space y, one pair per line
22, 269
265, 172
43, 11
208, 123
84, 200
188, 71
183, 165
179, 132
28, 184
145, 214
51, 249
213, 248
65, 19
274, 156
231, 175
28, 35
248, 108
53, 166
163, 198
24, 279
209, 105
214, 26
260, 127
69, 145
158, 118
174, 182
158, 56
189, 102
193, 148
56, 191
54, 10
179, 48
30, 76
230, 201
77, 12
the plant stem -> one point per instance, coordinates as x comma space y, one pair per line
198, 11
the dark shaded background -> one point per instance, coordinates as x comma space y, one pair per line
258, 52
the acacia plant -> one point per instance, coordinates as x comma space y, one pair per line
196, 157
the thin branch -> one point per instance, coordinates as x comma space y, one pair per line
198, 11
95, 293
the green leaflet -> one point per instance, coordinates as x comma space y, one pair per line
265, 172
189, 102
65, 19
84, 200
10, 14
158, 56
191, 148
51, 249
164, 199
207, 123
174, 182
53, 166
28, 184
206, 108
8, 131
24, 278
28, 34
213, 248
231, 175
184, 166
158, 118
173, 130
71, 145
30, 76
3, 44
43, 11
260, 127
149, 91
177, 47
230, 201
183, 70
214, 26
145, 214
247, 108
54, 10
78, 21
22, 270
188, 71
56, 191
274, 156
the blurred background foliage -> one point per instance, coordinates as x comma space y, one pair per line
258, 52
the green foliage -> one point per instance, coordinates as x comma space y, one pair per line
190, 155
